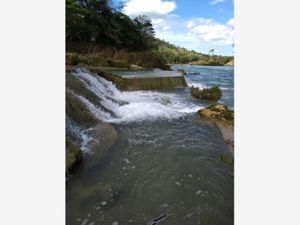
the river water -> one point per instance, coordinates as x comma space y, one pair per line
164, 163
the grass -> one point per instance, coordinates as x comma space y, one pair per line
121, 59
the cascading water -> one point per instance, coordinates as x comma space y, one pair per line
124, 107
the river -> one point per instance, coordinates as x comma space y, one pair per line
164, 164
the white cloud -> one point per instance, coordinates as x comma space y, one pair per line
216, 1
151, 8
210, 31
230, 22
199, 34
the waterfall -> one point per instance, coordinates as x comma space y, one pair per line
125, 106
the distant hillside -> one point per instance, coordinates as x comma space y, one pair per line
175, 54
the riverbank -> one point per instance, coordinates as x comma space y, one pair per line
223, 117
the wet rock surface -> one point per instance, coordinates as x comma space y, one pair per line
213, 93
224, 119
218, 112
73, 156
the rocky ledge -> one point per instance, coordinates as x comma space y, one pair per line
218, 112
73, 156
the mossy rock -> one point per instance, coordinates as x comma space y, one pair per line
78, 112
213, 93
73, 156
79, 88
165, 67
219, 112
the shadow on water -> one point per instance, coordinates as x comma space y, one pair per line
153, 168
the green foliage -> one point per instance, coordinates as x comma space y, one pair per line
226, 160
118, 63
94, 26
122, 59
101, 23
175, 54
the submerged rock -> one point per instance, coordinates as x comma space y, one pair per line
213, 93
73, 156
194, 73
182, 71
219, 112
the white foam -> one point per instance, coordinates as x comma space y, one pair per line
132, 106
80, 134
195, 84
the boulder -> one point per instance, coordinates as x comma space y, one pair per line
213, 93
136, 67
218, 112
194, 73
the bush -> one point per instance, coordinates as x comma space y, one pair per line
72, 59
97, 61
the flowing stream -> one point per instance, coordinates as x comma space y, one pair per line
162, 167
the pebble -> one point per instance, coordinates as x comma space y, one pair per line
84, 221
103, 203
198, 192
127, 161
178, 183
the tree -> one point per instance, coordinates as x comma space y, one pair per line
146, 29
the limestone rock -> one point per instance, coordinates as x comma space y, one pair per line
219, 112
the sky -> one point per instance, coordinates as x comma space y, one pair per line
199, 25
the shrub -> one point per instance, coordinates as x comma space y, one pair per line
72, 59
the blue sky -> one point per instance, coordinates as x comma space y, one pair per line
220, 12
198, 25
